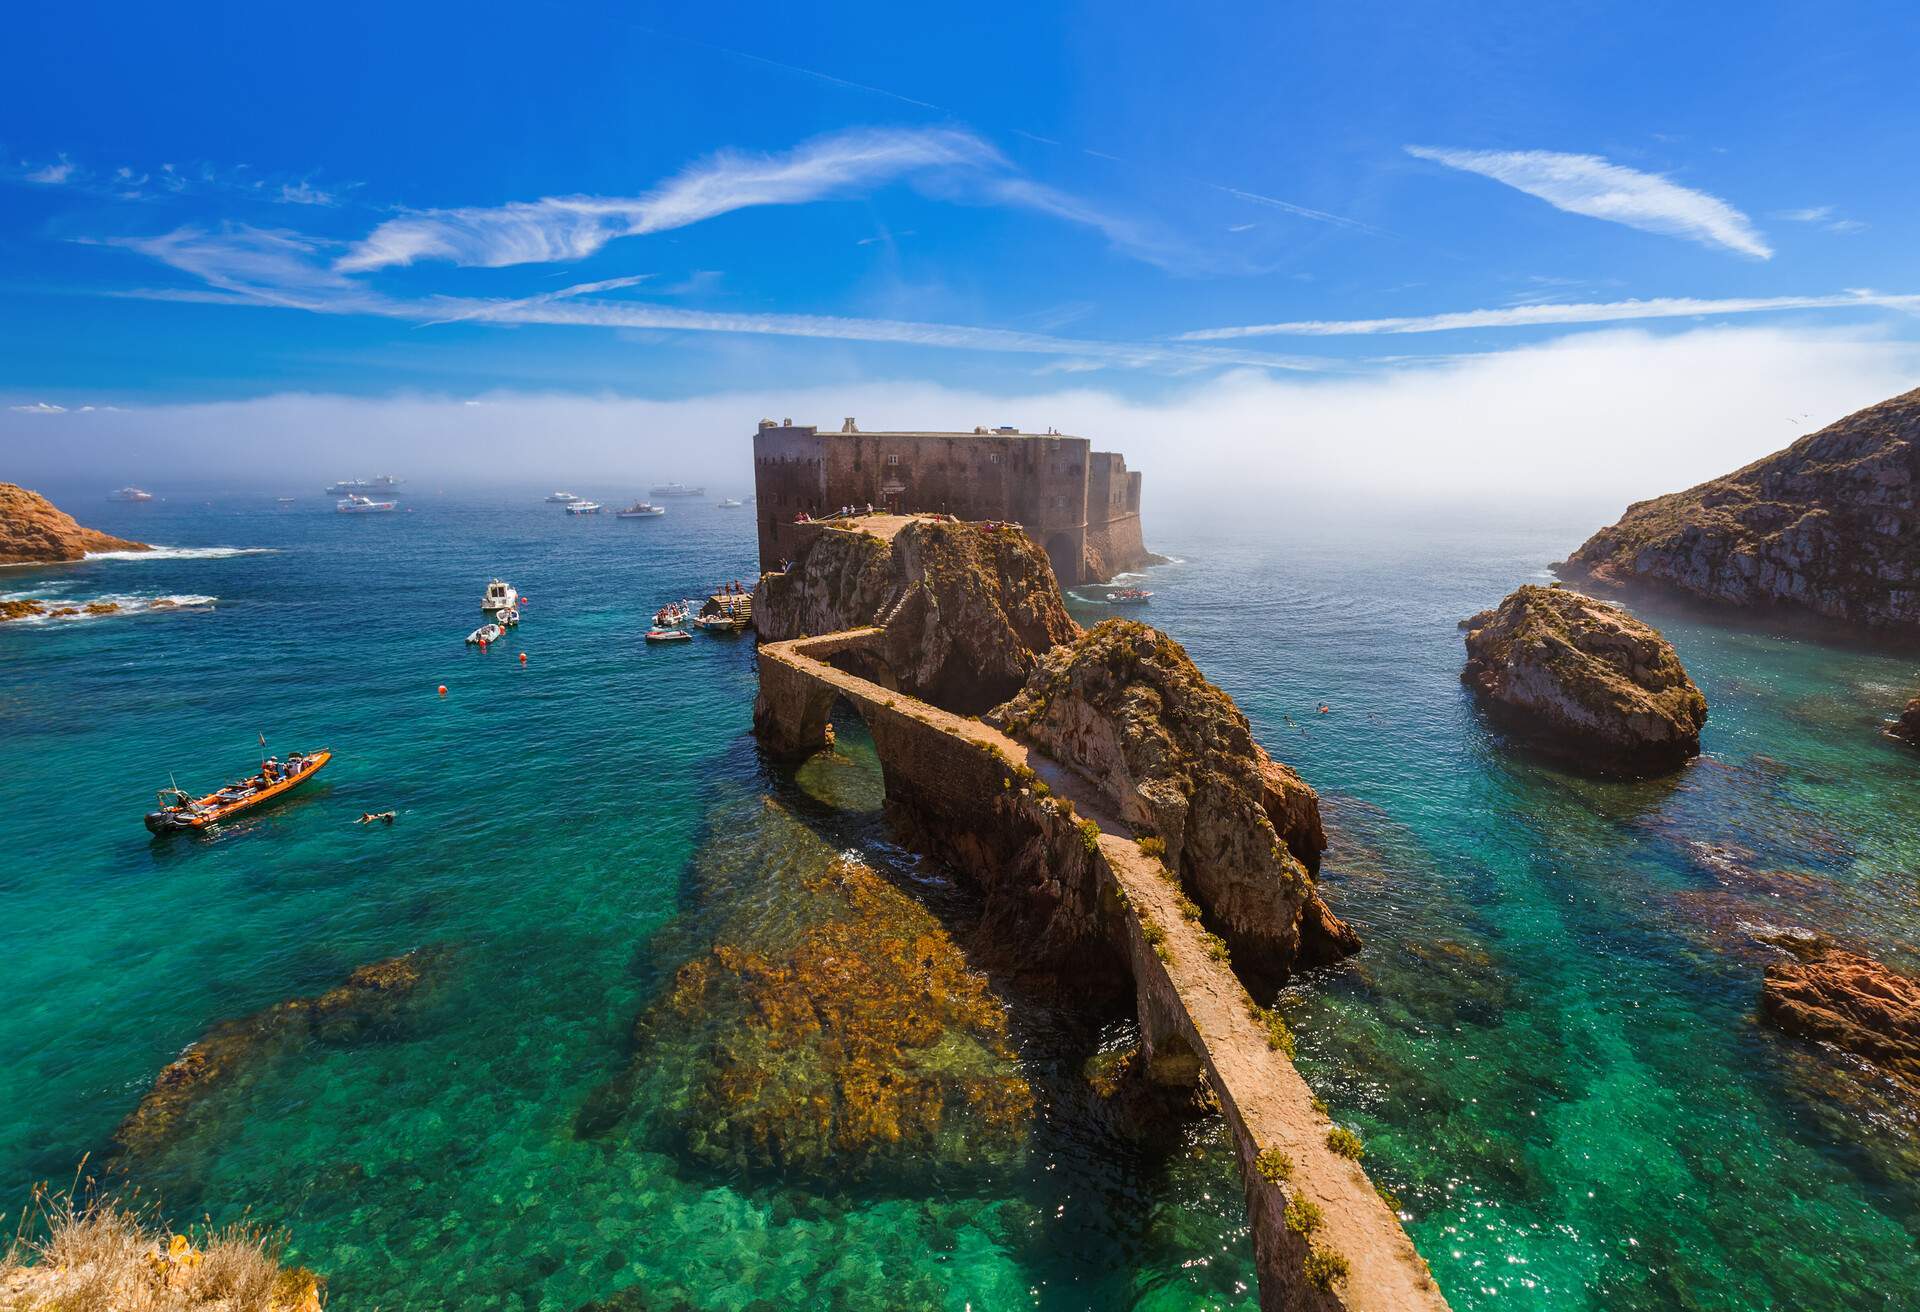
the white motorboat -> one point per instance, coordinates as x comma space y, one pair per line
499, 596
506, 618
485, 634
584, 507
670, 616
641, 510
132, 494
728, 503
358, 505
560, 498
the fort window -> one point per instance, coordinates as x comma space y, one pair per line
893, 460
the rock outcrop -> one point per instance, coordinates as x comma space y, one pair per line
367, 1000
1829, 527
862, 1045
33, 530
1907, 727
968, 608
1126, 708
1584, 681
1853, 1002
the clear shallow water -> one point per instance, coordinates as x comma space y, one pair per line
1548, 1042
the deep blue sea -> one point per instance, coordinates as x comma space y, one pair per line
1549, 1040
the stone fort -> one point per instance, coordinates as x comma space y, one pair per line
1081, 505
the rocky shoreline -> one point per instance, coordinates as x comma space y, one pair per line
34, 531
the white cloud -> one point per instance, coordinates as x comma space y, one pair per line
54, 174
1824, 216
304, 192
1609, 417
1534, 316
1599, 189
38, 408
574, 227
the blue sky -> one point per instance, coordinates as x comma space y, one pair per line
206, 204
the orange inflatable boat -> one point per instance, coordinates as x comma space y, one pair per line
178, 810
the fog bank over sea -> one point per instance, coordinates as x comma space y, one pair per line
1617, 415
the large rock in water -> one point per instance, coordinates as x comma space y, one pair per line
33, 530
1829, 527
1126, 708
1585, 681
1853, 1002
968, 609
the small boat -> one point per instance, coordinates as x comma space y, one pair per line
1129, 597
671, 616
560, 498
132, 494
499, 596
676, 490
358, 505
641, 510
669, 635
721, 623
485, 634
507, 618
584, 507
283, 501
729, 503
179, 810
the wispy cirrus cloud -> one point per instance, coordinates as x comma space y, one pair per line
1824, 216
559, 228
61, 171
1600, 189
1534, 316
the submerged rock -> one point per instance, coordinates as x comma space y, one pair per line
367, 1000
1584, 680
1828, 527
33, 529
1907, 727
1126, 708
21, 608
864, 1045
1853, 1002
968, 608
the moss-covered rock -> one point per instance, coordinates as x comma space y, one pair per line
367, 1000
1125, 707
33, 529
1585, 681
863, 1044
1828, 527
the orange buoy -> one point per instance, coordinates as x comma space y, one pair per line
523, 658
443, 690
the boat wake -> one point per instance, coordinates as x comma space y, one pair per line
183, 553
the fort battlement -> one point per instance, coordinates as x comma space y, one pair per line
1081, 505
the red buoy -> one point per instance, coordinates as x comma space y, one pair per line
523, 658
443, 690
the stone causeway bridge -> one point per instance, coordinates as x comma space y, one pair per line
1194, 1013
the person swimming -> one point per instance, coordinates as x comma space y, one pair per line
369, 817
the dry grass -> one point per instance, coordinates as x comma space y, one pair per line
109, 1255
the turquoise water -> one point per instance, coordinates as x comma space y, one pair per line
1548, 1042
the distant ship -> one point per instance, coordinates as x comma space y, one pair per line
379, 483
642, 510
560, 498
677, 490
728, 503
361, 505
132, 494
584, 507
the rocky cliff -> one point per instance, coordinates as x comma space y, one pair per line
1828, 527
1585, 681
968, 608
1853, 1002
1126, 708
33, 530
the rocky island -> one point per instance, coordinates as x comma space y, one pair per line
34, 531
1584, 681
1828, 528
